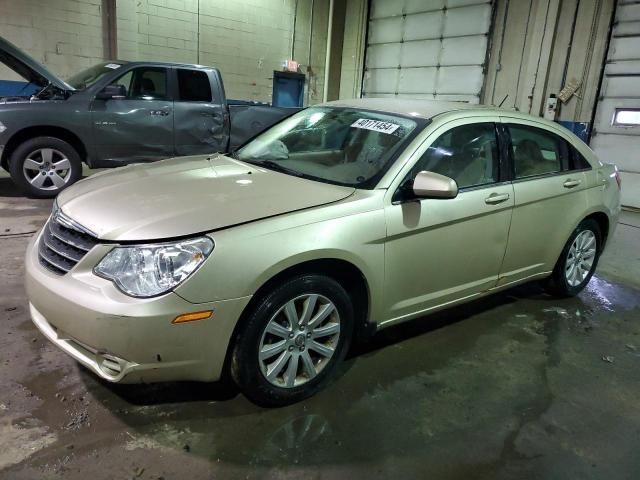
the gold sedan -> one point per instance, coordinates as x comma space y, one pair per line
343, 219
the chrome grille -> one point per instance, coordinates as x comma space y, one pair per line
62, 244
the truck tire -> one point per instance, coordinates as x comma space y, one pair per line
44, 166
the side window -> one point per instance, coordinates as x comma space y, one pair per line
145, 83
579, 162
193, 86
537, 152
468, 154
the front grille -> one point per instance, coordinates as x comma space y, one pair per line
62, 246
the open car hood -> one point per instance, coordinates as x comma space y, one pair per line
187, 195
27, 67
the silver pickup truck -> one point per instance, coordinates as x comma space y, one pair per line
116, 113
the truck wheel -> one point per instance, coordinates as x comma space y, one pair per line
44, 166
292, 341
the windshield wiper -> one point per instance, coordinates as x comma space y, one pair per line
276, 166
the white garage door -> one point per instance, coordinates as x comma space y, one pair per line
617, 126
431, 49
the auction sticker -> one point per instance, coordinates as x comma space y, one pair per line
375, 125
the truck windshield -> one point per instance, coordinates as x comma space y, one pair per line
345, 146
91, 75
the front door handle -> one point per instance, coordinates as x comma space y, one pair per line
496, 198
571, 183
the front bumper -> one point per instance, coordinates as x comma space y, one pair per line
124, 339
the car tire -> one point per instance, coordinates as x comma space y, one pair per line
269, 346
44, 166
578, 260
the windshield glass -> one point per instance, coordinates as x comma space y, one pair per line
91, 75
345, 146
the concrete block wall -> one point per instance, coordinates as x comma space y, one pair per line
65, 35
246, 39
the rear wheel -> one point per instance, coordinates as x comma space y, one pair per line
293, 340
44, 166
578, 260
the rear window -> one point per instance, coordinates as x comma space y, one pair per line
193, 86
537, 152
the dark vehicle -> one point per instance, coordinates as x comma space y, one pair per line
117, 113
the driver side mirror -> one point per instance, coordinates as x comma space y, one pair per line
115, 92
433, 185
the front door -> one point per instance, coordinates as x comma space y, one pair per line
201, 120
549, 183
139, 126
442, 250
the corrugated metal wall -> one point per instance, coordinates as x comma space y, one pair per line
538, 46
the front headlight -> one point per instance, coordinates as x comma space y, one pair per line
150, 270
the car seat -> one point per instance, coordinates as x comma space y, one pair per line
528, 158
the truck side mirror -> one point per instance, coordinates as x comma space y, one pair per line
114, 91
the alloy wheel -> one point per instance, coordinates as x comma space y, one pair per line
580, 258
299, 340
47, 169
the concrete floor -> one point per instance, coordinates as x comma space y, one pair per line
519, 385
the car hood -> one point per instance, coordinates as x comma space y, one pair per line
27, 67
187, 195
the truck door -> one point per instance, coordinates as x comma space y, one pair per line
201, 119
138, 125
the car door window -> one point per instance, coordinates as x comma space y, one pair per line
193, 86
468, 154
144, 83
537, 152
578, 161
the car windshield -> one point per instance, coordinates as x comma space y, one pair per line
344, 146
91, 75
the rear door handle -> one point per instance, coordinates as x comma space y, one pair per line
571, 183
161, 113
496, 198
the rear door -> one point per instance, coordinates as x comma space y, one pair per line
200, 119
442, 250
139, 126
549, 186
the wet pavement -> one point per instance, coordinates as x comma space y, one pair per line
517, 385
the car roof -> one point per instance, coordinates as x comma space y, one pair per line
407, 106
428, 109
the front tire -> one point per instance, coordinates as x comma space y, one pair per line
44, 166
578, 260
292, 342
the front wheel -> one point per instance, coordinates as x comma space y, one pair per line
44, 166
293, 340
578, 260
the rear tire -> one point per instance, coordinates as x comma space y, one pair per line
44, 166
276, 361
578, 260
